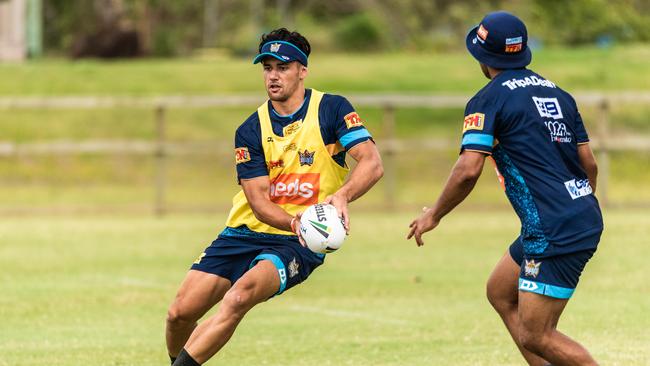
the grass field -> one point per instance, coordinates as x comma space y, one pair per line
94, 291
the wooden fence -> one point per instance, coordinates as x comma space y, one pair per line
602, 142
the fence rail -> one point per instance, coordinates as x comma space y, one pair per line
602, 142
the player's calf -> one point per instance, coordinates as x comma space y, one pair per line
179, 327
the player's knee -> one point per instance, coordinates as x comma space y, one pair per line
532, 340
177, 314
237, 300
490, 293
498, 299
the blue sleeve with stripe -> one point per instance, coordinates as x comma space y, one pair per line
479, 125
349, 127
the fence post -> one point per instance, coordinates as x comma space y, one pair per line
603, 151
389, 155
161, 163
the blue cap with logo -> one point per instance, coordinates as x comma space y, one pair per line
500, 41
283, 51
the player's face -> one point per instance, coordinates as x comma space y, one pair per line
282, 79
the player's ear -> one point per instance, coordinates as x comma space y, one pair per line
303, 72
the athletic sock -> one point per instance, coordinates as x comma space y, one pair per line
184, 359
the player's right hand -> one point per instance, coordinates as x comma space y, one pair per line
295, 227
426, 222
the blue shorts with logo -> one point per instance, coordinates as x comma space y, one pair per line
236, 250
555, 276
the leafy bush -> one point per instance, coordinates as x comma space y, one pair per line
359, 33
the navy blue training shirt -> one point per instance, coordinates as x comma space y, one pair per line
338, 137
532, 129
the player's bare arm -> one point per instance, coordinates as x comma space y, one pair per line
588, 162
460, 183
257, 194
366, 173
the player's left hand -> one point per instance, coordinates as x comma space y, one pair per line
341, 204
421, 225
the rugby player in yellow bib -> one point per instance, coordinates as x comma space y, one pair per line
289, 155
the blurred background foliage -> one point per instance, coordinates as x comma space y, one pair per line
176, 28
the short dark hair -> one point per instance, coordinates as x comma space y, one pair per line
283, 34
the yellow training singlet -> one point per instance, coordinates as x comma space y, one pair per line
301, 170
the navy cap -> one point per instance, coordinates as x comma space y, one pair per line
500, 41
283, 51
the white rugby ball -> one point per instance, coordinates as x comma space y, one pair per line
322, 229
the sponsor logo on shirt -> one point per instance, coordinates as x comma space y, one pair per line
297, 189
275, 164
474, 121
352, 120
548, 107
290, 129
578, 188
531, 269
558, 131
306, 157
242, 155
513, 84
291, 147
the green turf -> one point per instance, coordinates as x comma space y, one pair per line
94, 291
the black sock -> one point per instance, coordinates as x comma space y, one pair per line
184, 359
172, 359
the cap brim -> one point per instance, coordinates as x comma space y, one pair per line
263, 55
497, 61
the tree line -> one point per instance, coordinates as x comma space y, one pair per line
170, 27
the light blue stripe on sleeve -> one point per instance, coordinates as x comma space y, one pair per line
354, 135
478, 139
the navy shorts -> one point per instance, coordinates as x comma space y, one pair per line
235, 251
555, 276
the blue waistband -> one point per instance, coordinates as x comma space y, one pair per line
245, 232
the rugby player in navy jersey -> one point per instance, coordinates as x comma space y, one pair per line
534, 132
289, 154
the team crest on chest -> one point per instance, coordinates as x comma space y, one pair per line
532, 269
306, 157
